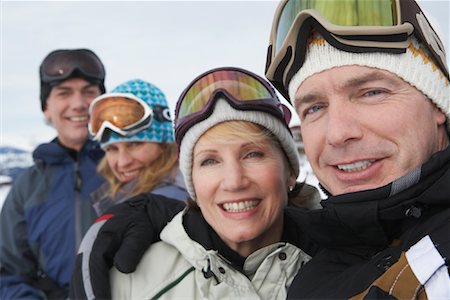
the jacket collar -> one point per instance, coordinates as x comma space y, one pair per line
375, 217
201, 246
55, 153
197, 229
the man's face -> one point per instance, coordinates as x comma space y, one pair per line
363, 127
67, 110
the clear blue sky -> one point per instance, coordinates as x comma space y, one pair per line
167, 43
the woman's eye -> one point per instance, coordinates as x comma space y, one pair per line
134, 144
207, 162
110, 149
255, 154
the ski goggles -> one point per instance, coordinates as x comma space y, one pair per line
242, 89
61, 64
349, 25
122, 113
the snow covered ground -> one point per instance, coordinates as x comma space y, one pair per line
5, 186
4, 189
15, 154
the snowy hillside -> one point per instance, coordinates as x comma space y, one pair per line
12, 162
4, 189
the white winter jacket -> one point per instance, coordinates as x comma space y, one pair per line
180, 268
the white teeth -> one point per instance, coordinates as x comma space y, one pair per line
130, 174
240, 206
79, 119
357, 166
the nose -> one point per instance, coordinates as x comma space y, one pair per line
80, 102
343, 124
124, 159
234, 177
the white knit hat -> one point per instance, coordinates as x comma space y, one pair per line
225, 112
414, 66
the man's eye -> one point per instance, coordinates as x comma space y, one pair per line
373, 93
91, 93
313, 109
63, 94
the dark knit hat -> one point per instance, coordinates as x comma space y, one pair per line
63, 64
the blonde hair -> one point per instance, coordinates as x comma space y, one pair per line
165, 166
223, 132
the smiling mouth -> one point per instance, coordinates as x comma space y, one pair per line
78, 119
237, 207
356, 166
130, 174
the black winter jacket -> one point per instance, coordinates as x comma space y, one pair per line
389, 243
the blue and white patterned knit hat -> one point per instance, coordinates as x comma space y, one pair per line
160, 130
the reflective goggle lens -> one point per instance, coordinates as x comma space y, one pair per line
60, 64
119, 114
338, 12
242, 89
236, 84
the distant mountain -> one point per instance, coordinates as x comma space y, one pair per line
12, 162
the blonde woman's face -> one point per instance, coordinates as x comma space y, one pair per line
128, 159
241, 189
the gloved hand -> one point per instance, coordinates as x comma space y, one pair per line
119, 237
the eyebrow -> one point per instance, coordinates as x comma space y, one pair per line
209, 150
61, 87
358, 81
352, 82
66, 87
195, 155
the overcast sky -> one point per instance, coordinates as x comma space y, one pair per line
167, 43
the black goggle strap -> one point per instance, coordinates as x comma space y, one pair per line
161, 113
412, 13
373, 39
393, 43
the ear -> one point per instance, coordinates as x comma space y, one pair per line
439, 116
47, 114
292, 179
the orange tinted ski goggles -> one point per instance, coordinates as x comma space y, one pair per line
122, 113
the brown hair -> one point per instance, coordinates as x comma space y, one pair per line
165, 165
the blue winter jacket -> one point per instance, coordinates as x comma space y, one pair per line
43, 220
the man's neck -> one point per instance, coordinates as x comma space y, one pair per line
70, 150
